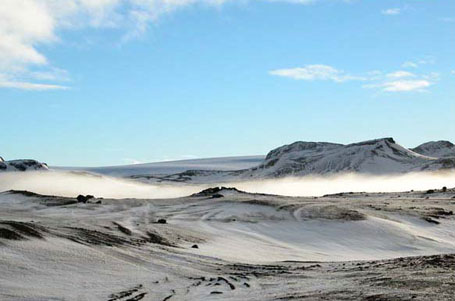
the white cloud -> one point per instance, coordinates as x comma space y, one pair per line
406, 85
409, 64
402, 85
404, 81
397, 81
391, 11
400, 74
432, 76
27, 24
428, 60
50, 74
23, 23
30, 86
315, 72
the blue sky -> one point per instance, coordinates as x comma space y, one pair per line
104, 82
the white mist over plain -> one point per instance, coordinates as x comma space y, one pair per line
321, 185
71, 184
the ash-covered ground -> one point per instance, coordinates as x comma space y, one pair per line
224, 244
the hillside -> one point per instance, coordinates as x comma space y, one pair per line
436, 149
379, 156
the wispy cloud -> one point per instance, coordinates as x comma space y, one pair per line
50, 74
391, 11
402, 85
30, 86
315, 72
27, 23
428, 60
404, 81
400, 74
409, 64
23, 79
396, 81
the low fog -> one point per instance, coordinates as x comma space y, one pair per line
72, 184
321, 185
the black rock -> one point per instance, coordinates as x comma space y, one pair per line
214, 191
81, 199
161, 221
23, 165
84, 199
195, 246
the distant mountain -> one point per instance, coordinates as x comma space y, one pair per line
173, 167
436, 149
380, 156
21, 165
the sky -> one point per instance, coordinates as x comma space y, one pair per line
110, 82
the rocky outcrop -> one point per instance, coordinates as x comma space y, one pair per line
22, 165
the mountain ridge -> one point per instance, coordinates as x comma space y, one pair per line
377, 156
